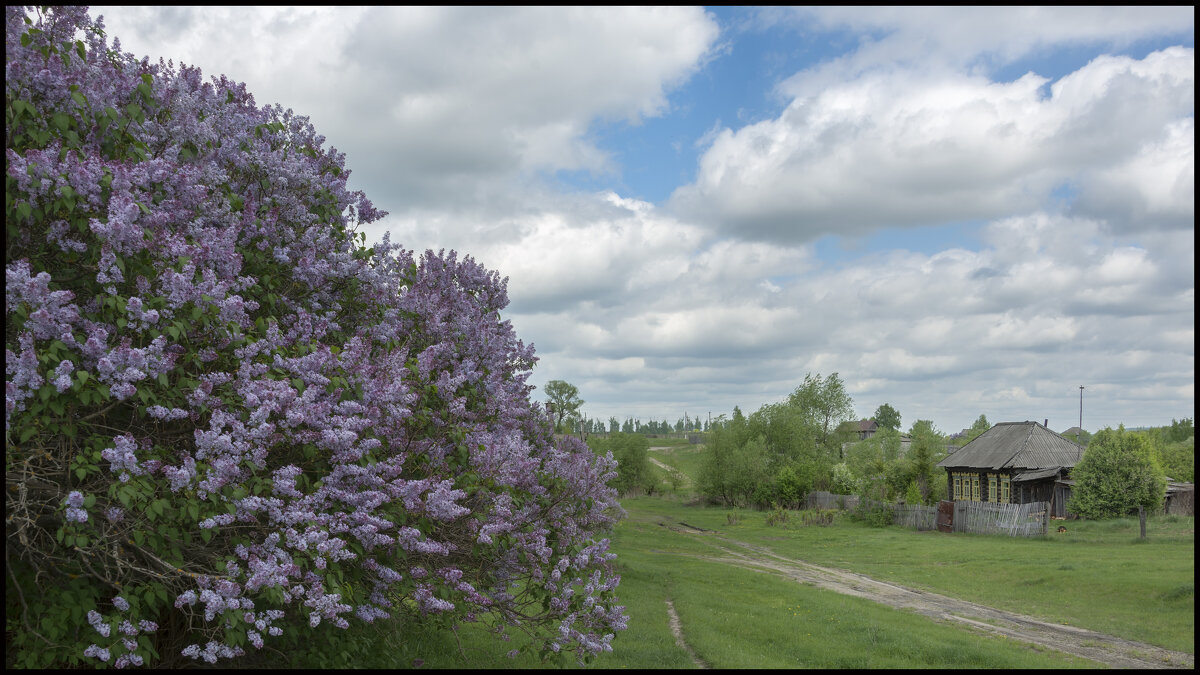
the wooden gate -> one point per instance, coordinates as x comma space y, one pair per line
945, 516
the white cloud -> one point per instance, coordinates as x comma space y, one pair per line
449, 116
444, 103
909, 148
962, 38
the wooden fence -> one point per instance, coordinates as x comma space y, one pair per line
1014, 520
818, 499
916, 516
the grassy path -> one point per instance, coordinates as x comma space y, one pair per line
1112, 651
677, 631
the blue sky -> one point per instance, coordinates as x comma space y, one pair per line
958, 210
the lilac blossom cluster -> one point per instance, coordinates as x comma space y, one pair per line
349, 428
124, 643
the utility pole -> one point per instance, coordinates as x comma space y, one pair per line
1079, 433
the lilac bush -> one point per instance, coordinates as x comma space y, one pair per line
271, 425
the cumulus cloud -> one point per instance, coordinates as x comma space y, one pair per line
910, 148
1048, 302
965, 38
1078, 267
443, 104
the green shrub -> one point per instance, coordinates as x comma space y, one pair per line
1118, 473
874, 513
777, 517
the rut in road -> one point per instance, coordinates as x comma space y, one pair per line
677, 631
1113, 651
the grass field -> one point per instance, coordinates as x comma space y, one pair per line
1096, 575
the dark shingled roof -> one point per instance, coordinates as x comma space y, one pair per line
1016, 445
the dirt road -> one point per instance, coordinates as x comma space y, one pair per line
668, 468
1107, 649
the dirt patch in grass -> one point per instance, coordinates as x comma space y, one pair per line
677, 631
1107, 649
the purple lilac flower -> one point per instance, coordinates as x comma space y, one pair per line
96, 652
62, 376
418, 339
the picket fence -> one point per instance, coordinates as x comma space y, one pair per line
818, 499
1014, 520
916, 516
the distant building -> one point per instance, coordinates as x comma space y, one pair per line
862, 429
1014, 463
1075, 432
1180, 499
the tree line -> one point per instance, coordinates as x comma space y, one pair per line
564, 401
775, 456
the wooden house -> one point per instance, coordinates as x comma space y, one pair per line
1014, 463
1180, 499
862, 429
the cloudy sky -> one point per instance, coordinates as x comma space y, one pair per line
958, 210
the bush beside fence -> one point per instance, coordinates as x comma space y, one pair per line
818, 499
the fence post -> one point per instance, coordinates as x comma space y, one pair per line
1142, 519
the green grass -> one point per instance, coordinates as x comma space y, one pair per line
1097, 575
684, 457
734, 617
738, 618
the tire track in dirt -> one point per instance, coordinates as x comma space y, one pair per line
1107, 649
677, 630
686, 482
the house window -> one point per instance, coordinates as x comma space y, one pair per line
993, 486
957, 486
1005, 490
975, 488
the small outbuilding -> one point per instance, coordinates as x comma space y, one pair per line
1014, 463
1180, 499
862, 429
